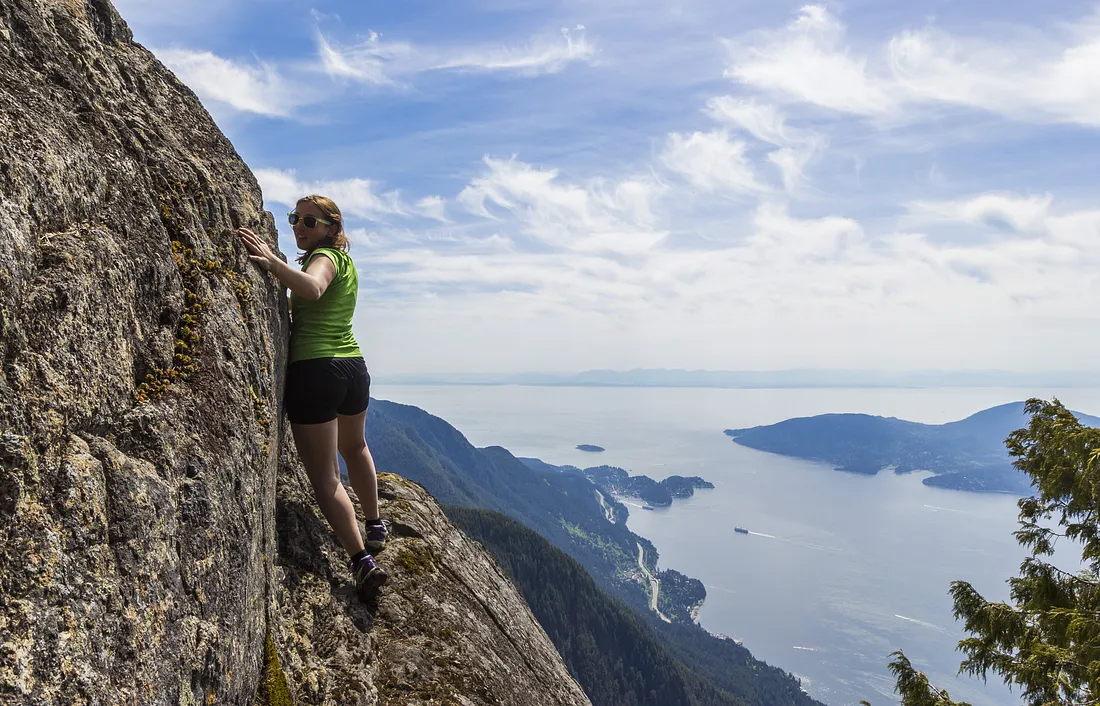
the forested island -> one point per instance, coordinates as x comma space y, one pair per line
620, 482
591, 448
968, 454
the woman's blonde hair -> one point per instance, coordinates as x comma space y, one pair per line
331, 211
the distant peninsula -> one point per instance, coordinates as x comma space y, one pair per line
620, 482
617, 481
968, 454
591, 448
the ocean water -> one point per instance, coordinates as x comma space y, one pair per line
838, 570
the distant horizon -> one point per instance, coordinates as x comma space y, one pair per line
756, 379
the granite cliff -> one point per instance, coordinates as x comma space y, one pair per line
159, 541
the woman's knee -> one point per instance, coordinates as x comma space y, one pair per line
350, 448
323, 479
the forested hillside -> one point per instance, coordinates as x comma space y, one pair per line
618, 657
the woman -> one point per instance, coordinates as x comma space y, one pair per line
327, 384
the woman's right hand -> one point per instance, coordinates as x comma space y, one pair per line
258, 250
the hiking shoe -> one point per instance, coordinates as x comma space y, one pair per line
368, 574
375, 538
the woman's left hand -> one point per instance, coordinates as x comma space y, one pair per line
259, 252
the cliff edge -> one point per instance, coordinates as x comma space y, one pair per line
160, 543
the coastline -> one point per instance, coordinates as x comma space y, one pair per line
692, 609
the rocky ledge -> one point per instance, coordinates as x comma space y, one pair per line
449, 627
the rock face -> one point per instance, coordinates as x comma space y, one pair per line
449, 628
158, 541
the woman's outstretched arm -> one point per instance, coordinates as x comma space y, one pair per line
310, 284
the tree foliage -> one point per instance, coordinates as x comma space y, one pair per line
1046, 642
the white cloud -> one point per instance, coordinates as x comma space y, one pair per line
1018, 213
539, 57
362, 236
588, 218
355, 197
775, 282
635, 198
252, 89
809, 62
778, 234
262, 89
1079, 230
768, 124
432, 207
379, 62
365, 64
372, 62
792, 165
711, 161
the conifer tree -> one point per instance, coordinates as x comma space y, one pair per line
1045, 644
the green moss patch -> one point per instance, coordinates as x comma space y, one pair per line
274, 689
416, 560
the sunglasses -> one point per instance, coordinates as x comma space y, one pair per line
309, 221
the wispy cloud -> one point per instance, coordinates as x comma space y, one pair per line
263, 88
379, 62
590, 218
541, 56
776, 233
432, 207
1004, 211
809, 61
1068, 237
371, 62
356, 197
768, 124
256, 88
711, 161
363, 67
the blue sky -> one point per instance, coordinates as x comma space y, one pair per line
561, 186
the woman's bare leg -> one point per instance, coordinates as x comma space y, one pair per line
361, 472
316, 445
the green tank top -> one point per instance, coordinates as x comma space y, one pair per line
322, 328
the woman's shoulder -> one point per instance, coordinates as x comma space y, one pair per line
339, 257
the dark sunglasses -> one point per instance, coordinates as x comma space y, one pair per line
310, 221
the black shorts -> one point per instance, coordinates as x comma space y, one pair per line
318, 389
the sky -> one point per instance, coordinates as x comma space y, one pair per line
568, 185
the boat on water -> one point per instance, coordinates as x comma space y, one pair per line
742, 530
647, 507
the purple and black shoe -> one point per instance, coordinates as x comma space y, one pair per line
368, 574
376, 535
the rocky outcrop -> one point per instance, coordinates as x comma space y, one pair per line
142, 453
449, 628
